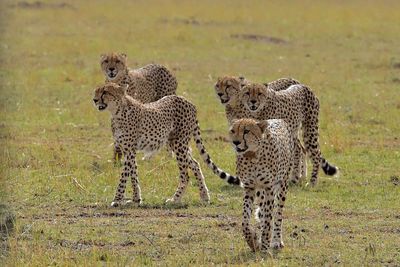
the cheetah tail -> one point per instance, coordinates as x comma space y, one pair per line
206, 157
328, 168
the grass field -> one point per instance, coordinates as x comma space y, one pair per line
57, 180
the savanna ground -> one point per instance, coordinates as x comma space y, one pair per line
57, 180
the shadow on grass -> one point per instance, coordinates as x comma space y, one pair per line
145, 206
164, 206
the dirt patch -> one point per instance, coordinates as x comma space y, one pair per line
193, 21
396, 80
227, 226
88, 244
42, 5
396, 65
259, 38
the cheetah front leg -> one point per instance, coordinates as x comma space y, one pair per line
136, 198
249, 235
117, 151
128, 170
279, 203
266, 197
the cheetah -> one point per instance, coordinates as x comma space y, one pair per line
228, 89
299, 107
147, 84
264, 161
147, 127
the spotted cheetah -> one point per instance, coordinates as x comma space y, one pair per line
299, 107
148, 127
147, 84
228, 89
264, 160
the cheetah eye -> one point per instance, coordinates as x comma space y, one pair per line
246, 131
232, 131
118, 61
247, 93
259, 94
106, 61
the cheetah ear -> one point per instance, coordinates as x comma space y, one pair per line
242, 81
103, 56
263, 125
123, 55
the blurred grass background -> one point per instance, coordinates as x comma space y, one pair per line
56, 174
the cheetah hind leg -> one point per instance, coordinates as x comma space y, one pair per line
298, 162
303, 163
181, 150
195, 167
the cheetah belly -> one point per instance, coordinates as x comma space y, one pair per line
151, 143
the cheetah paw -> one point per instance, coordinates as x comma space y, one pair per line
115, 204
133, 203
205, 198
173, 200
277, 245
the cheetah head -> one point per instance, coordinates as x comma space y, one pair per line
254, 96
108, 95
113, 65
246, 135
228, 88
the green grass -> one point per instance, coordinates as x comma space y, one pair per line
56, 174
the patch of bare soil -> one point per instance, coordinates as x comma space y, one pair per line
396, 65
193, 21
92, 211
259, 38
396, 80
41, 5
88, 244
227, 226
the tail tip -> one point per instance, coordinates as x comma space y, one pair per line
330, 170
233, 180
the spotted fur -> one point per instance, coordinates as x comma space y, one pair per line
264, 161
299, 107
148, 127
147, 84
228, 90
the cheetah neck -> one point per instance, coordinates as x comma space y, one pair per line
126, 104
